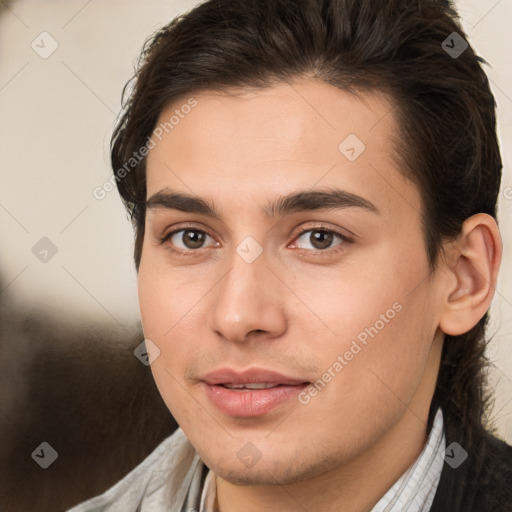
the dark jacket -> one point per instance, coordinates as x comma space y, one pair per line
483, 482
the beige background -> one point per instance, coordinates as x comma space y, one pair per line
56, 119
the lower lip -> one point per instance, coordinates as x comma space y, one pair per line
250, 403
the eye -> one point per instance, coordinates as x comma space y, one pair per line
320, 239
187, 239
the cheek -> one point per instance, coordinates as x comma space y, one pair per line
171, 318
159, 312
382, 361
374, 330
167, 297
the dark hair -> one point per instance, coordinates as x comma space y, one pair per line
441, 101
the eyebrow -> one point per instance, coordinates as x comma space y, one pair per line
309, 200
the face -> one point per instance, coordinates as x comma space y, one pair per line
284, 279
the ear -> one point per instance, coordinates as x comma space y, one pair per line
472, 265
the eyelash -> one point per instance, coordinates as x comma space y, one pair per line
337, 248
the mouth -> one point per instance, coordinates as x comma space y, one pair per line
251, 393
249, 386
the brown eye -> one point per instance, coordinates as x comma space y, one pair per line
320, 239
188, 239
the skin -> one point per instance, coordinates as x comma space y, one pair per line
296, 308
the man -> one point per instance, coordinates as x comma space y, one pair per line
313, 186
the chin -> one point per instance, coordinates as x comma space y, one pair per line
248, 478
255, 477
281, 469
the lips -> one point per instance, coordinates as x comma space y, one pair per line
250, 393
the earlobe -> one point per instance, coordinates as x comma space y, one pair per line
473, 272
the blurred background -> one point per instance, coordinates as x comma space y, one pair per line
69, 319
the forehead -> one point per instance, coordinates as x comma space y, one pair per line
258, 143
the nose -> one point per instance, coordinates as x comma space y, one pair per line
248, 303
